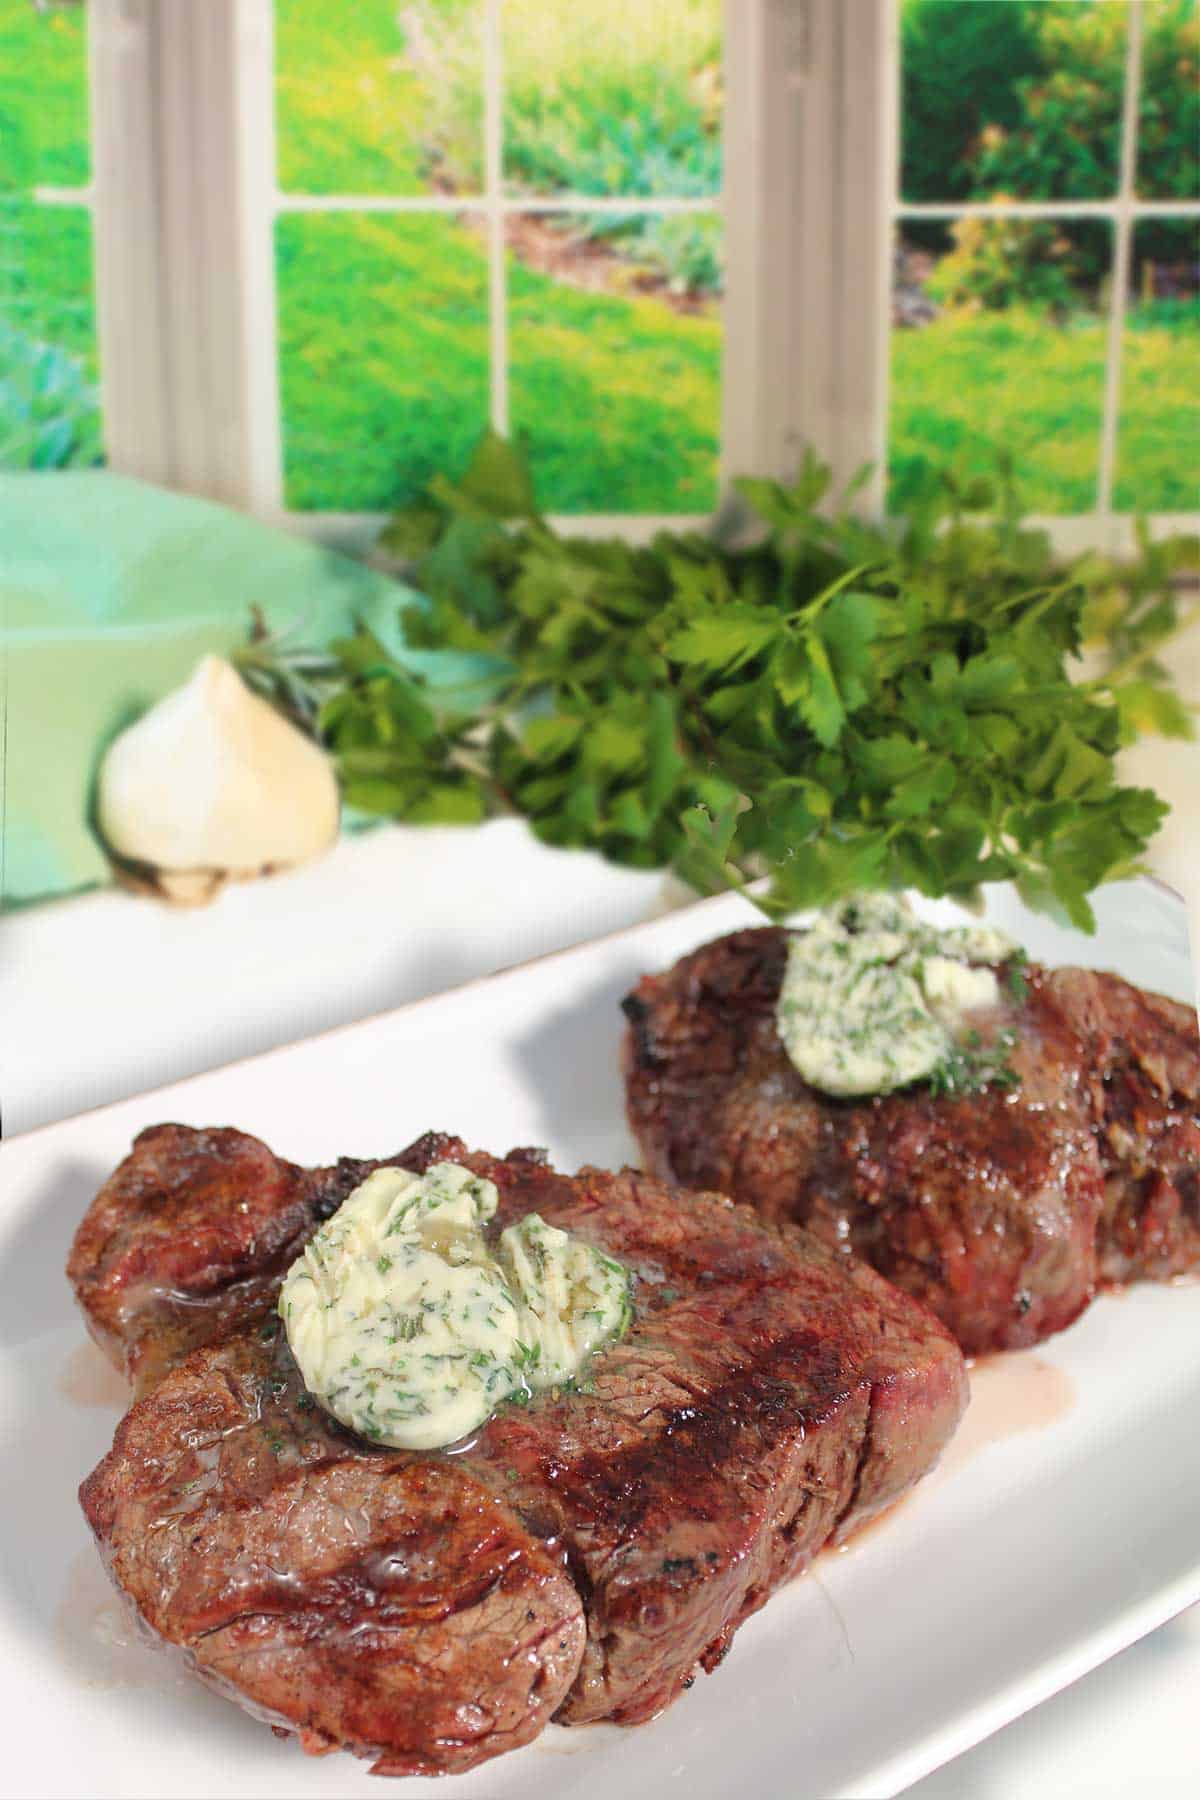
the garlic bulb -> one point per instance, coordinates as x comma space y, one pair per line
211, 785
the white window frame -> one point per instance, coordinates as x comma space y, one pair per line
1101, 526
184, 197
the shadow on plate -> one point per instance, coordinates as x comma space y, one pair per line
1142, 1684
34, 1295
62, 1407
573, 1063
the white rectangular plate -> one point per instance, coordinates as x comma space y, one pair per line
1061, 1525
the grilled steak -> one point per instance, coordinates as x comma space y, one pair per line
580, 1555
1142, 1059
1003, 1210
189, 1237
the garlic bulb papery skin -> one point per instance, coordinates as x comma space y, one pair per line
212, 784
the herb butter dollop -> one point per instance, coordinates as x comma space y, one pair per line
873, 998
410, 1329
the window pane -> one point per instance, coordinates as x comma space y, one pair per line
1158, 447
1169, 115
614, 373
362, 95
43, 97
999, 97
49, 405
613, 97
49, 409
1000, 346
383, 348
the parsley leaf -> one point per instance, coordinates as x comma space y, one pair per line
829, 702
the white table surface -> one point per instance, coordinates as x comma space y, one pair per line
106, 995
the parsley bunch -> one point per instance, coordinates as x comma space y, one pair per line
833, 704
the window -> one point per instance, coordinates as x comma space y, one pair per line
332, 243
505, 212
49, 418
584, 299
1047, 267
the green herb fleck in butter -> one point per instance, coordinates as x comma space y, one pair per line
873, 998
410, 1330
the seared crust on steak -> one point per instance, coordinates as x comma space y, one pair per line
598, 1543
192, 1232
364, 1598
1001, 1210
1143, 1063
